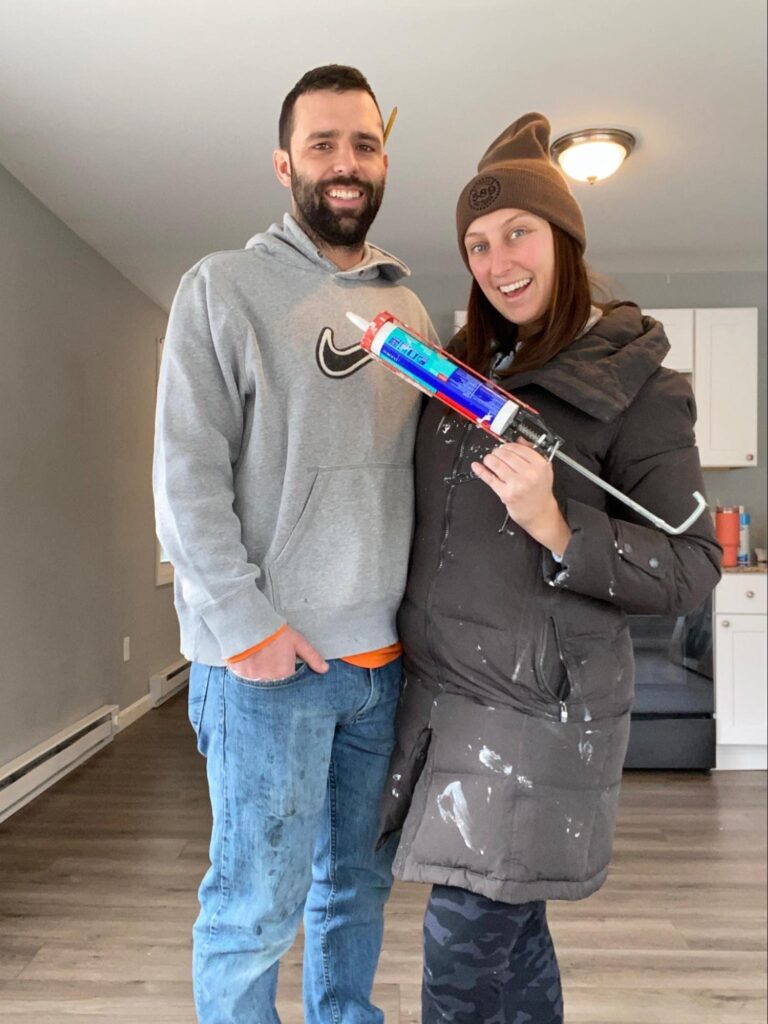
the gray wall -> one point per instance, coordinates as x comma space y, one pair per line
76, 522
734, 486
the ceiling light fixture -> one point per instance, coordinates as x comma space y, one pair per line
592, 154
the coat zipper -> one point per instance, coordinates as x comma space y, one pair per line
562, 701
441, 560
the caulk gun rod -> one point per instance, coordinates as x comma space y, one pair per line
608, 487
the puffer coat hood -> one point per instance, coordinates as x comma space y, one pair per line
514, 719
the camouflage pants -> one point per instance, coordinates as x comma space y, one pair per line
487, 962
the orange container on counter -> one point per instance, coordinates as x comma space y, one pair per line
727, 530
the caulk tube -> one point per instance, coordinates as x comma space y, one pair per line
424, 364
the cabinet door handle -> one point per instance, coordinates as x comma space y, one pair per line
726, 624
750, 457
750, 593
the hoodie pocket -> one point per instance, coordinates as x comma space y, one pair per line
349, 547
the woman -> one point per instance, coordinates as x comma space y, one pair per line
514, 718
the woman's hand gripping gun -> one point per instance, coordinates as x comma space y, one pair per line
440, 375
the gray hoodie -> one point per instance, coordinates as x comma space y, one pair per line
283, 479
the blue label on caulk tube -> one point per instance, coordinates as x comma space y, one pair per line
433, 372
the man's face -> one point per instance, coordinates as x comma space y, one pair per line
336, 167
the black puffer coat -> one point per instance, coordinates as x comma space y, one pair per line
514, 719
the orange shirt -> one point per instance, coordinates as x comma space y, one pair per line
375, 659
369, 659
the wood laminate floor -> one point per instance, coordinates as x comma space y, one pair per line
98, 879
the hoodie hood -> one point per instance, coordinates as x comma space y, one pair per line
288, 243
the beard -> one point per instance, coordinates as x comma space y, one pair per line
337, 228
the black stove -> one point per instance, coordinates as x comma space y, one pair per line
673, 725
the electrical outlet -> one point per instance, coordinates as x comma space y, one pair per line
126, 648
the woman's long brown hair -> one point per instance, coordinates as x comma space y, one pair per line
564, 318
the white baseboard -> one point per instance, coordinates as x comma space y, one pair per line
30, 774
165, 684
127, 716
733, 758
162, 686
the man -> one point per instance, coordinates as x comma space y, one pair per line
284, 500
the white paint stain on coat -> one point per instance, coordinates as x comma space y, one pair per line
445, 427
453, 808
586, 750
573, 828
494, 761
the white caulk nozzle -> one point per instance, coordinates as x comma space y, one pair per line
359, 321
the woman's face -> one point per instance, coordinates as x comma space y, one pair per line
512, 257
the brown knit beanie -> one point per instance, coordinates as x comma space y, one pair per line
517, 173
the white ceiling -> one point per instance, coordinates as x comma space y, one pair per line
148, 125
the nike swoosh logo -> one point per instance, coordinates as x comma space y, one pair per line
339, 362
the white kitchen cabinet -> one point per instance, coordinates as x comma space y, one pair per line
725, 385
741, 677
678, 326
717, 349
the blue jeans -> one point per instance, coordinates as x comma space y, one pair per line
295, 771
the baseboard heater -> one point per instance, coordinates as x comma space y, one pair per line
165, 684
28, 775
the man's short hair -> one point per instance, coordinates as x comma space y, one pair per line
333, 77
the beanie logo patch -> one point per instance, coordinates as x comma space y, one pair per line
484, 193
